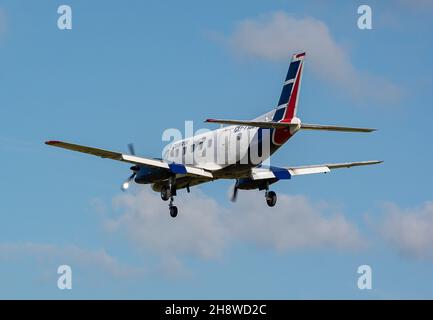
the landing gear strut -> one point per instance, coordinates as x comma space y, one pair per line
168, 192
270, 196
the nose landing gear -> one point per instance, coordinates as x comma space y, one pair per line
172, 208
165, 193
168, 192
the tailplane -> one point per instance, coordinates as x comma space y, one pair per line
284, 122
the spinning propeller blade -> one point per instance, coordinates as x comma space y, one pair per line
131, 149
127, 182
235, 192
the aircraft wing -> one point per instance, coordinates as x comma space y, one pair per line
277, 125
260, 173
173, 167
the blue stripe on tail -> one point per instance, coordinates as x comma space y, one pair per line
287, 89
293, 70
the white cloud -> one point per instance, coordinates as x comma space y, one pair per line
198, 230
295, 223
409, 230
204, 228
71, 255
274, 36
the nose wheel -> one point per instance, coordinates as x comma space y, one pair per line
172, 208
173, 211
271, 198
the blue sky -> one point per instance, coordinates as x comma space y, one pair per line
126, 72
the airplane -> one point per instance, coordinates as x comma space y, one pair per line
186, 163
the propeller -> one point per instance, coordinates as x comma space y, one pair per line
125, 185
235, 192
131, 149
127, 182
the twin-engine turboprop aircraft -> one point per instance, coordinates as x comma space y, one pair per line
239, 151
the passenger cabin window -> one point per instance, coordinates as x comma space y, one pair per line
193, 147
183, 150
239, 136
200, 145
209, 143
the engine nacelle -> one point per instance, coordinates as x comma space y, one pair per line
150, 175
250, 184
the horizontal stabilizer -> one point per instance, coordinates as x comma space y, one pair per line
277, 125
260, 124
307, 126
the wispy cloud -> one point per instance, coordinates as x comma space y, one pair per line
275, 35
72, 255
409, 230
204, 228
419, 5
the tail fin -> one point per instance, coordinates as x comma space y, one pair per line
288, 102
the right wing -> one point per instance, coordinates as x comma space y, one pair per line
297, 171
173, 167
260, 173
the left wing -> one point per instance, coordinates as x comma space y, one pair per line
260, 173
173, 167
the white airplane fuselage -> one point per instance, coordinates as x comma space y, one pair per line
231, 146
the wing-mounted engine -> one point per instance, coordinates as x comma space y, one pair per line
250, 184
151, 174
261, 178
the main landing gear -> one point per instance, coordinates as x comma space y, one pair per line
270, 196
168, 192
